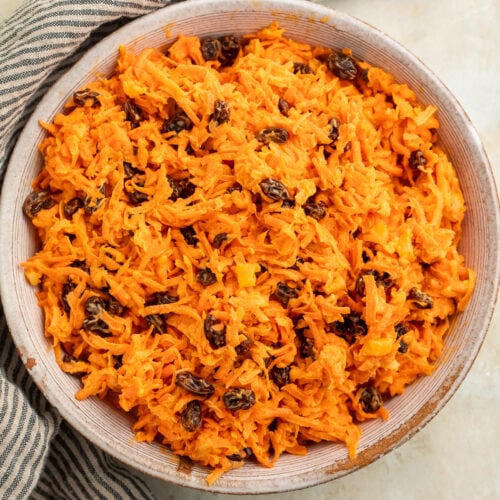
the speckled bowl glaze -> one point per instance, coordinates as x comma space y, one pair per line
317, 25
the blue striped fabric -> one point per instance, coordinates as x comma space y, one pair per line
41, 456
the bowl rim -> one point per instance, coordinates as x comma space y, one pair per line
157, 20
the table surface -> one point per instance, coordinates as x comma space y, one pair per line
457, 455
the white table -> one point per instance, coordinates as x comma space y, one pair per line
457, 455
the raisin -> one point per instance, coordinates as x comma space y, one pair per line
157, 321
215, 331
221, 112
334, 123
307, 347
274, 189
94, 306
273, 134
283, 106
193, 384
243, 347
160, 298
206, 277
280, 376
284, 293
417, 159
80, 97
91, 205
229, 49
400, 329
370, 399
129, 170
352, 326
37, 201
302, 68
137, 197
315, 210
114, 307
420, 299
403, 347
219, 239
96, 325
191, 416
68, 287
210, 49
177, 123
381, 279
235, 187
342, 66
189, 235
72, 206
181, 188
133, 113
238, 398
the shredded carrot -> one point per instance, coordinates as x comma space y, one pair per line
248, 255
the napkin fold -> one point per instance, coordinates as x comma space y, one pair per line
41, 455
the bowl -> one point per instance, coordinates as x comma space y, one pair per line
316, 25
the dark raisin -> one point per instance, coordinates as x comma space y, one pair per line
137, 197
342, 65
273, 134
157, 321
370, 399
206, 277
94, 305
243, 347
400, 329
302, 68
307, 347
417, 159
274, 189
229, 49
133, 113
247, 452
381, 279
353, 325
96, 325
238, 398
219, 239
181, 188
334, 124
80, 97
191, 416
91, 205
37, 201
221, 112
118, 361
129, 170
420, 299
160, 298
193, 384
403, 347
315, 210
280, 376
210, 49
114, 307
72, 206
177, 123
68, 287
283, 106
215, 331
284, 293
189, 235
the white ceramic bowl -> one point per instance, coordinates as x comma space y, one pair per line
317, 25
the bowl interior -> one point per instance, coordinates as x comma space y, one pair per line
316, 25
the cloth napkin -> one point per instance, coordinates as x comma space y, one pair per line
41, 456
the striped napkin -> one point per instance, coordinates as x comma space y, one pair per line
41, 456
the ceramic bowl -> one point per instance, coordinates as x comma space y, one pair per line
316, 25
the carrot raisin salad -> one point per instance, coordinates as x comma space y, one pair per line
248, 243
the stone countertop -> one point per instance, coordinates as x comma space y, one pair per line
457, 455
